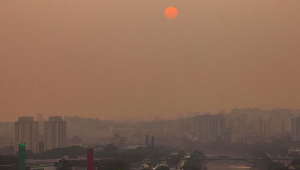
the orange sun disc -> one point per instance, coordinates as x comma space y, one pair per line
171, 13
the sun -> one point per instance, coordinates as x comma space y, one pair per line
171, 13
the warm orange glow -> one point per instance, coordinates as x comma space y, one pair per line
171, 13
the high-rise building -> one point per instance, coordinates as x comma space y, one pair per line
263, 127
152, 141
27, 131
55, 133
41, 123
236, 120
281, 121
147, 140
226, 136
241, 127
296, 128
210, 127
185, 125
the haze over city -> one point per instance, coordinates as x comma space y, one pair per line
123, 59
149, 85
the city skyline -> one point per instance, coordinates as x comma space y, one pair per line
248, 127
157, 117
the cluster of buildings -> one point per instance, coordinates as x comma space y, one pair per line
239, 125
6, 134
28, 131
242, 125
118, 141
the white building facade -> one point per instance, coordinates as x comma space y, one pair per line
27, 131
55, 133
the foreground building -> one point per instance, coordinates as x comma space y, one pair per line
27, 131
55, 133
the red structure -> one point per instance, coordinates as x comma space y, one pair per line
90, 158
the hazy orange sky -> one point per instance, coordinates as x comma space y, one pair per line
117, 59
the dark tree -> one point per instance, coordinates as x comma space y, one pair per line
197, 154
276, 166
58, 153
8, 160
175, 158
28, 154
110, 149
162, 167
192, 164
295, 162
63, 165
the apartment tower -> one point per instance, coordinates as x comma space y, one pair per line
296, 129
55, 133
41, 123
27, 131
210, 127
